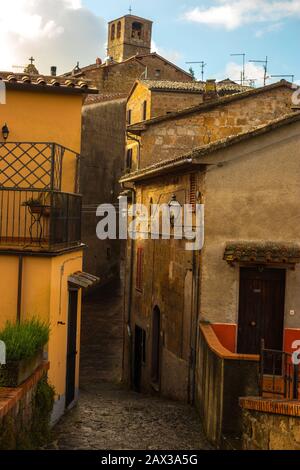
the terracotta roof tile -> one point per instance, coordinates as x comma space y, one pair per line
37, 81
104, 97
198, 87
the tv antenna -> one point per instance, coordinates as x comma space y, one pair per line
284, 76
265, 66
251, 81
243, 74
202, 65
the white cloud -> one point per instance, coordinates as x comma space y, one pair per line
272, 28
236, 13
55, 32
170, 54
252, 72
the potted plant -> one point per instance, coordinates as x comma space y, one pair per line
24, 350
36, 206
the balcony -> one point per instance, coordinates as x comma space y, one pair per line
40, 204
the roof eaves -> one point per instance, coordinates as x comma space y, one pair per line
206, 106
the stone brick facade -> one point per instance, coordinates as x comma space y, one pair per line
119, 77
179, 133
270, 424
128, 36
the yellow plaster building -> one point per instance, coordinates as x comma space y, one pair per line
40, 216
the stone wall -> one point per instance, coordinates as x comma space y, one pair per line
181, 134
103, 150
120, 77
123, 43
169, 102
276, 426
18, 426
115, 78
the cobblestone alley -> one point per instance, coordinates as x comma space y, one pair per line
108, 416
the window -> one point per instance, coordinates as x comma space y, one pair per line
119, 30
129, 114
137, 30
129, 159
113, 32
144, 111
139, 269
157, 73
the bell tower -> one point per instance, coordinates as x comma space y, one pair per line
128, 36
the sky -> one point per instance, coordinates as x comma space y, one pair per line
62, 32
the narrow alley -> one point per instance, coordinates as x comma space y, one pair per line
108, 416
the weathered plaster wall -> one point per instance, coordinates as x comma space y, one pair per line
136, 101
103, 149
251, 198
167, 284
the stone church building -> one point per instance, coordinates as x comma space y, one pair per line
129, 58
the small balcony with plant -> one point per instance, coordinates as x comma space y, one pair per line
40, 203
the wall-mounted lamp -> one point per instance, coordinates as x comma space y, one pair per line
5, 132
175, 210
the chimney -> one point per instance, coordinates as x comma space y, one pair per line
53, 71
210, 90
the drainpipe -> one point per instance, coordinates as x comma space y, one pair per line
20, 279
196, 266
127, 320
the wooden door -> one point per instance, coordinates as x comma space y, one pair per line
261, 309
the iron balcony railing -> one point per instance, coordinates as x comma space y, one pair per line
40, 204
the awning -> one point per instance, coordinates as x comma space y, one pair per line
262, 253
83, 280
